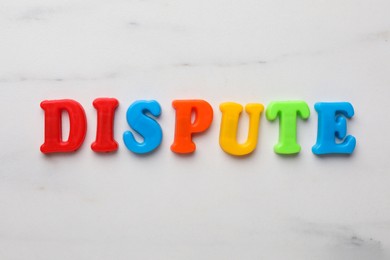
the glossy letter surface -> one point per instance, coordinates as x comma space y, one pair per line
144, 125
287, 112
229, 125
332, 126
53, 125
105, 108
184, 127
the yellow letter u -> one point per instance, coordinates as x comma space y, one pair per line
228, 132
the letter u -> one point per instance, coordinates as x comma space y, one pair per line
229, 124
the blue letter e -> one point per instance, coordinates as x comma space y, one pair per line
331, 125
147, 127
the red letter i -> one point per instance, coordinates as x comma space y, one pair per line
105, 123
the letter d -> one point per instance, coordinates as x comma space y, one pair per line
53, 126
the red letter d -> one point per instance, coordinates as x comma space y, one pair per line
53, 125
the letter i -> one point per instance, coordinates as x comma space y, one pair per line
105, 124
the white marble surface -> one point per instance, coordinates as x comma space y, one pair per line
210, 205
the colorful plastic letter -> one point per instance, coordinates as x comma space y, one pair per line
53, 125
144, 125
331, 125
105, 123
229, 124
287, 112
185, 128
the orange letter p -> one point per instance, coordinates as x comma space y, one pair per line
185, 127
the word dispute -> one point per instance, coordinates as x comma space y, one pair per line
192, 117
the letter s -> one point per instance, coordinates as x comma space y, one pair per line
144, 125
